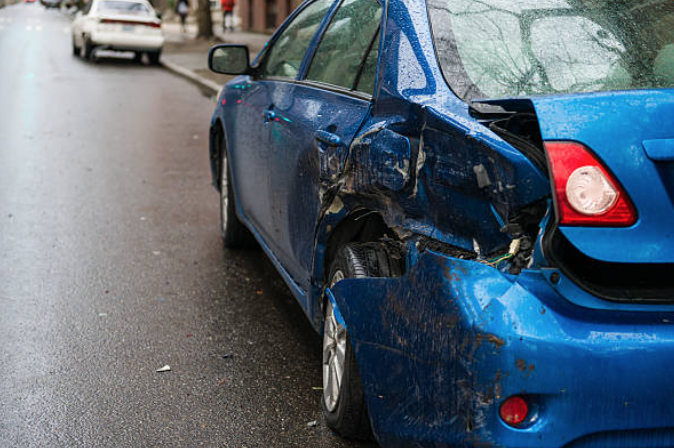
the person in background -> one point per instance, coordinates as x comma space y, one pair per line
183, 8
228, 14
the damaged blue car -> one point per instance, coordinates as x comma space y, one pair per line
473, 202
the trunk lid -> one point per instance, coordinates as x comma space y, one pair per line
632, 132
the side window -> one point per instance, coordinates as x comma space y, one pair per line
344, 48
87, 8
287, 52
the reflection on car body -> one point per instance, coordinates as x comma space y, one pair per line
473, 202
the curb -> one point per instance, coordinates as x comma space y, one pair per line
209, 86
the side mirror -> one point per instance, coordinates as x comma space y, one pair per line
229, 59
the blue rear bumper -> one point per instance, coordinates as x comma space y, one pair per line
440, 348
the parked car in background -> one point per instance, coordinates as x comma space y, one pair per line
473, 202
123, 25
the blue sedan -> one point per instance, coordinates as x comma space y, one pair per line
473, 203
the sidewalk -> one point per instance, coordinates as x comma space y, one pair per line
187, 56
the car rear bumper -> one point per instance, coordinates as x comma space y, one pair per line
129, 41
440, 348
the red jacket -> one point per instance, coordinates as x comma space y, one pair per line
227, 5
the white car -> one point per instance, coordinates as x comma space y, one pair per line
121, 25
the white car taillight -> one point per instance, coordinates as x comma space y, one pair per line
585, 191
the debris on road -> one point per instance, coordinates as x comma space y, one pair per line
312, 424
166, 368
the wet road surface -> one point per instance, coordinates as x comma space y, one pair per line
111, 266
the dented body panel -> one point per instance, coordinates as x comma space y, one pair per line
440, 347
472, 321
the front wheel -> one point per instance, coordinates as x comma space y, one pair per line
234, 234
76, 49
343, 400
87, 48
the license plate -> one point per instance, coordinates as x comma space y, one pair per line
128, 28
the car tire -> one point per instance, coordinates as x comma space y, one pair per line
343, 400
153, 57
76, 49
234, 234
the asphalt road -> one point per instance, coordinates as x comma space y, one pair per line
111, 267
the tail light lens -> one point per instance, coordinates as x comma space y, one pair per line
130, 22
514, 410
586, 193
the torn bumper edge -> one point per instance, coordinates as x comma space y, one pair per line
440, 348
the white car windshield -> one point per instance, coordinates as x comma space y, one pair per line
134, 8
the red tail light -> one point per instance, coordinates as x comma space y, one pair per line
586, 193
514, 410
130, 22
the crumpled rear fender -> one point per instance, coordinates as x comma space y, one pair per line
441, 347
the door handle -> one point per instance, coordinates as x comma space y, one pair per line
269, 115
328, 138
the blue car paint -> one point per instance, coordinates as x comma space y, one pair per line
442, 346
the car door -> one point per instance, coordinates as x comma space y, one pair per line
312, 123
251, 158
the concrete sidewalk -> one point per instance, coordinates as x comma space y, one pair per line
187, 56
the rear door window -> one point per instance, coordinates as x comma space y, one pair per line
347, 54
285, 56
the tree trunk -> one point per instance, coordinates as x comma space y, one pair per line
204, 20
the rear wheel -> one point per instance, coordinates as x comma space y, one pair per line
234, 234
153, 57
343, 400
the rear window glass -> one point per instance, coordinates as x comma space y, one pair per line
502, 48
134, 8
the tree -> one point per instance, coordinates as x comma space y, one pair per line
204, 20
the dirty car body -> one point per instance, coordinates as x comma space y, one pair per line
523, 275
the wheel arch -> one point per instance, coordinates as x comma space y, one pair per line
337, 228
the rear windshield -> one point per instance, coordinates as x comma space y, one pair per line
502, 48
134, 8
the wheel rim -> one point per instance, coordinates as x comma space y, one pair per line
224, 200
334, 354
